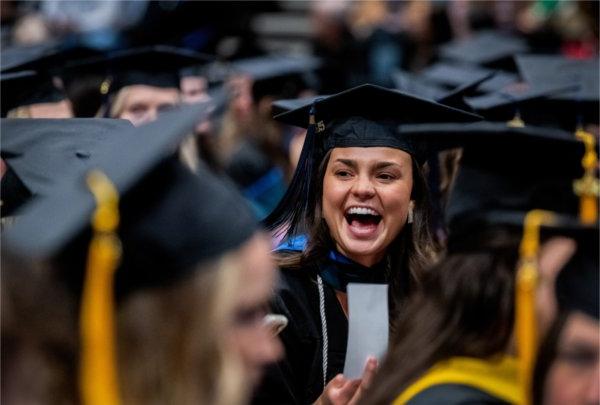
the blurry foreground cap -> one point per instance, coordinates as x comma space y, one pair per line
488, 48
364, 116
170, 218
41, 153
26, 88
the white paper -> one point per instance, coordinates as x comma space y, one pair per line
368, 326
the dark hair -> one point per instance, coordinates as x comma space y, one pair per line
408, 255
546, 356
464, 307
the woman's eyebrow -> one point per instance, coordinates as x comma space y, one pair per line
384, 164
348, 162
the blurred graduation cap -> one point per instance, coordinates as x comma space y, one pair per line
363, 116
26, 88
41, 153
580, 102
127, 159
536, 105
285, 105
505, 169
486, 48
281, 76
50, 57
152, 222
453, 74
415, 84
156, 66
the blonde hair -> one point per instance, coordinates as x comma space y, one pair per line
172, 341
185, 357
19, 112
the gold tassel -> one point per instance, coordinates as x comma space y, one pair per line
98, 364
516, 121
588, 187
526, 284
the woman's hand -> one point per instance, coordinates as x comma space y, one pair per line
343, 391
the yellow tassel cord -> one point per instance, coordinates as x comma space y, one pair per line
588, 187
527, 279
98, 366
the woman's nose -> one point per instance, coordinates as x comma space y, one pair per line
363, 187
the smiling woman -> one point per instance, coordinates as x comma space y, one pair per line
355, 211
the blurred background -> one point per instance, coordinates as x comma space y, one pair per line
363, 40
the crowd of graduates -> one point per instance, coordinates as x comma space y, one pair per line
185, 215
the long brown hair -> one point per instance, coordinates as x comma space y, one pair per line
464, 307
408, 255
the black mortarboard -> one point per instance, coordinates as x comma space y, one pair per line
40, 153
486, 48
156, 66
49, 58
285, 105
452, 74
364, 116
577, 105
282, 76
577, 282
505, 169
415, 84
456, 97
25, 88
535, 105
171, 218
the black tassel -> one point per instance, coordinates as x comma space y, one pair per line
291, 213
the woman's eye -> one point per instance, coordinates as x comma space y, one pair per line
342, 173
386, 176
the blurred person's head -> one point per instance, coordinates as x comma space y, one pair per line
252, 339
174, 287
141, 104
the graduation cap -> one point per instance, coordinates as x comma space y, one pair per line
41, 153
26, 88
282, 76
534, 104
364, 116
156, 66
152, 222
415, 84
487, 48
455, 74
50, 57
456, 97
579, 103
505, 169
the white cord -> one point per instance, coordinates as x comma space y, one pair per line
323, 328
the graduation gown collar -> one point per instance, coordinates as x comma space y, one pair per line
337, 270
497, 376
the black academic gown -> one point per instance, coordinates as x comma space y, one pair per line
298, 378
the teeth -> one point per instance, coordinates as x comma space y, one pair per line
361, 211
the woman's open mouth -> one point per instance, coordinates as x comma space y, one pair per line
362, 221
